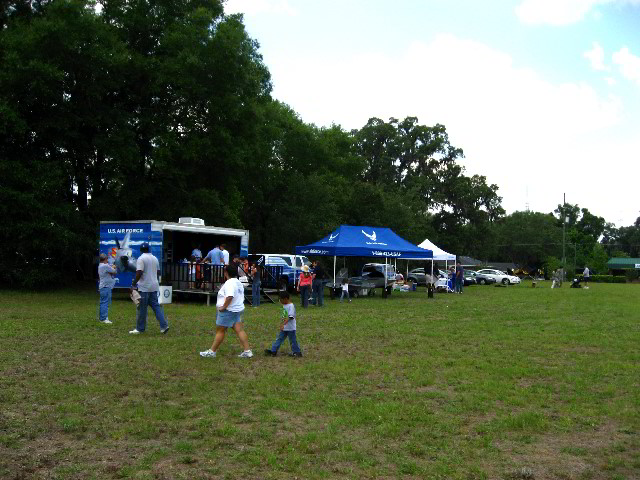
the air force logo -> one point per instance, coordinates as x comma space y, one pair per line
372, 237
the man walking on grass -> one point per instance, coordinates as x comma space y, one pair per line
147, 280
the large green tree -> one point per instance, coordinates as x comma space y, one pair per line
148, 108
418, 163
527, 239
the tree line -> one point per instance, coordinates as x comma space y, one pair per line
132, 109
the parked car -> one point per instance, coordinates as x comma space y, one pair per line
469, 278
375, 272
499, 276
480, 278
373, 276
417, 276
291, 266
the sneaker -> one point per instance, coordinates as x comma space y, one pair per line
135, 331
208, 354
295, 354
270, 353
246, 354
165, 330
106, 321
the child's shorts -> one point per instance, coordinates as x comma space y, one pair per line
228, 319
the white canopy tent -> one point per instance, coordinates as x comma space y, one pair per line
438, 254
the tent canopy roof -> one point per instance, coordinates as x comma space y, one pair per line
438, 253
359, 241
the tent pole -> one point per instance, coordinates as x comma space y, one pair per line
334, 271
385, 275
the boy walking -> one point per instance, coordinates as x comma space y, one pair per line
287, 329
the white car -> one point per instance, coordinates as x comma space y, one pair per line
500, 276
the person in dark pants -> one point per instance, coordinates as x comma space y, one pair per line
256, 272
318, 283
459, 278
304, 285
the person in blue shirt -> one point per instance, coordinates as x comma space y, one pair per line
196, 252
214, 256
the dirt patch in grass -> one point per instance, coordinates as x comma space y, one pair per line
572, 456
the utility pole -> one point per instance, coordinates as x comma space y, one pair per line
564, 221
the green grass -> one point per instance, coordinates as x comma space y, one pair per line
504, 383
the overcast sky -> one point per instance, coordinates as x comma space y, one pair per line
543, 96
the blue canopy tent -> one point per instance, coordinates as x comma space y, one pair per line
353, 241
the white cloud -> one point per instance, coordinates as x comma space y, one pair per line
255, 7
554, 12
596, 57
561, 12
516, 127
628, 63
610, 81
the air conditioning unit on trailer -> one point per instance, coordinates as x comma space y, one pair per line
191, 221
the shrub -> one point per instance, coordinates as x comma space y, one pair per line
606, 278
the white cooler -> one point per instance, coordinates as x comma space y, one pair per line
164, 294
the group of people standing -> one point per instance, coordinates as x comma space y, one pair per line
219, 256
312, 282
456, 276
145, 283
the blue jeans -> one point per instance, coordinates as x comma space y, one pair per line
150, 299
304, 296
255, 294
105, 301
318, 292
295, 348
459, 284
345, 292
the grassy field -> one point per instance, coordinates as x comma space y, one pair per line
506, 383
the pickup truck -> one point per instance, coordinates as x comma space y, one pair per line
372, 276
291, 267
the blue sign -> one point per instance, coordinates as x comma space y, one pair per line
121, 243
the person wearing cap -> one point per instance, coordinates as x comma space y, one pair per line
107, 274
304, 285
147, 268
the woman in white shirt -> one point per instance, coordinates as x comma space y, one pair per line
230, 305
